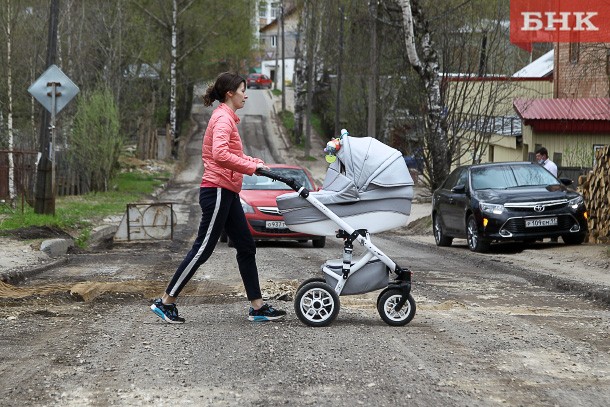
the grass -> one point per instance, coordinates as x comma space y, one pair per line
287, 118
77, 215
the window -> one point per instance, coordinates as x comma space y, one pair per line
275, 6
274, 41
596, 147
454, 178
262, 9
511, 176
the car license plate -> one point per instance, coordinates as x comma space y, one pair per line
536, 223
275, 224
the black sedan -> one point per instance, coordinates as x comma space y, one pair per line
511, 201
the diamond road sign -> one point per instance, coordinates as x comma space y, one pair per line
65, 89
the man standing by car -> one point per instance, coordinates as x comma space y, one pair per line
542, 156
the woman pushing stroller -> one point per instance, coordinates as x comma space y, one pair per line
224, 166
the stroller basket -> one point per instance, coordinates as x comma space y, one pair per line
372, 276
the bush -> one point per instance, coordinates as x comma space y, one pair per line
95, 141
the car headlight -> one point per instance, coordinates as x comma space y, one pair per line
576, 202
491, 208
247, 207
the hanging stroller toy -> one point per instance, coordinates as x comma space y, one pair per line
367, 190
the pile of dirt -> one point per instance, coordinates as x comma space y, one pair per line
421, 226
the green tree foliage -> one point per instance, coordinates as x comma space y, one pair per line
124, 45
95, 141
469, 38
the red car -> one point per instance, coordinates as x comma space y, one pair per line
259, 81
258, 200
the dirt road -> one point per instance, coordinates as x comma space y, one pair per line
487, 332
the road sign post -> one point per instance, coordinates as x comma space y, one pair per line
53, 89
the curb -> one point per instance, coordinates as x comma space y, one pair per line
18, 275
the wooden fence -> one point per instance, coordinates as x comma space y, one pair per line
24, 164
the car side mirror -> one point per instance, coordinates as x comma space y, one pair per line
566, 181
459, 189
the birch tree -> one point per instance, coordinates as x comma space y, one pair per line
416, 32
7, 24
172, 27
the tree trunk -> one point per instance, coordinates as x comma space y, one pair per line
374, 73
9, 86
310, 69
427, 69
172, 73
300, 79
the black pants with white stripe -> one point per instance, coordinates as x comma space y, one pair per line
220, 208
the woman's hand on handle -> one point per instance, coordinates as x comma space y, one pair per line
262, 166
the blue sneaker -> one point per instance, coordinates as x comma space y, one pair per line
266, 313
167, 312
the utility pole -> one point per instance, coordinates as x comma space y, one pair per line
373, 75
277, 52
283, 59
45, 195
339, 62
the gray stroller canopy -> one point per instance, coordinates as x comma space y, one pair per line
369, 187
366, 169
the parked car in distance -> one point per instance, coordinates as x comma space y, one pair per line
258, 200
258, 81
510, 201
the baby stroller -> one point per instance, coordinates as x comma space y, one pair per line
367, 190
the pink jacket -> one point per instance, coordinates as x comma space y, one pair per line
224, 161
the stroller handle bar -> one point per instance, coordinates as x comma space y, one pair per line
291, 182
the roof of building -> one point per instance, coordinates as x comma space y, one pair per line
586, 115
563, 109
539, 68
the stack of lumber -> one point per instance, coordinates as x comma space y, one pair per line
595, 188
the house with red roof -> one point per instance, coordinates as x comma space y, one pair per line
575, 121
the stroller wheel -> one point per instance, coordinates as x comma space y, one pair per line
311, 280
386, 304
316, 304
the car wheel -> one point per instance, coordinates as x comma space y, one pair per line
439, 236
573, 239
475, 242
319, 242
223, 236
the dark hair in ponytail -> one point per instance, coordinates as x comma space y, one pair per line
225, 82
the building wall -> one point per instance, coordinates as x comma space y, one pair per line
271, 47
500, 90
576, 149
501, 148
268, 68
582, 70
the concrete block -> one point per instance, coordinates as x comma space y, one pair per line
56, 247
